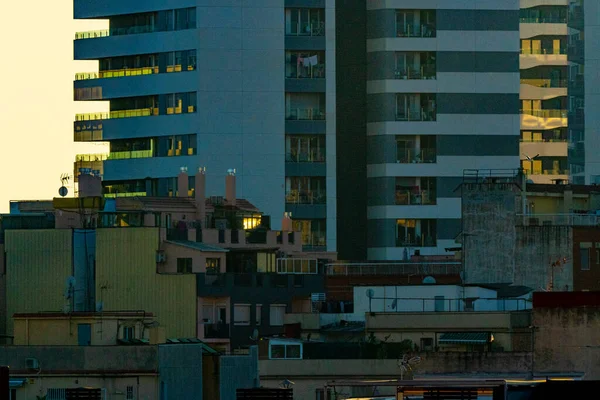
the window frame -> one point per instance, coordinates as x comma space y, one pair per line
185, 265
236, 314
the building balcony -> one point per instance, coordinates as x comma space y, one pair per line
416, 156
415, 198
423, 72
548, 148
215, 331
126, 155
305, 114
546, 113
546, 83
305, 157
408, 268
120, 73
141, 112
92, 34
531, 60
306, 197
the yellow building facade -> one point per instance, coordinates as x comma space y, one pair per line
39, 263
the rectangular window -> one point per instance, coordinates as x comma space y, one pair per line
584, 254
258, 314
191, 102
426, 344
191, 60
276, 314
213, 266
184, 265
290, 351
128, 332
129, 393
241, 314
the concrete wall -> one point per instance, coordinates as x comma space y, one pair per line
238, 372
77, 359
431, 363
180, 367
567, 339
144, 387
38, 263
173, 252
126, 279
489, 233
497, 249
63, 331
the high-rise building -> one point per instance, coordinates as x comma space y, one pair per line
544, 87
356, 117
584, 95
442, 97
245, 86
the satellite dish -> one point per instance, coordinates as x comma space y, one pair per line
63, 191
286, 384
429, 280
370, 293
254, 336
99, 306
394, 304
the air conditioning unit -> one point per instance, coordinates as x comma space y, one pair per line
161, 257
32, 363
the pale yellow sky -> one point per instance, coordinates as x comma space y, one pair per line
36, 98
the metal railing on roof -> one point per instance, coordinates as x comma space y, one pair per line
407, 268
558, 219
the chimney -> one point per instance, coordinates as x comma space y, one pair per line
90, 185
201, 195
230, 187
286, 222
182, 183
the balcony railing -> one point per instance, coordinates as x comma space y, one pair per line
546, 113
424, 72
142, 112
424, 114
410, 198
124, 155
297, 266
116, 73
306, 197
92, 34
361, 269
416, 241
543, 20
305, 157
485, 304
558, 219
314, 239
413, 30
307, 29
216, 331
546, 52
544, 140
546, 83
294, 71
423, 155
305, 114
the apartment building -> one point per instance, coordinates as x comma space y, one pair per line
584, 123
442, 96
217, 85
544, 87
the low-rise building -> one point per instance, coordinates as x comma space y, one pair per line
541, 236
116, 355
209, 268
